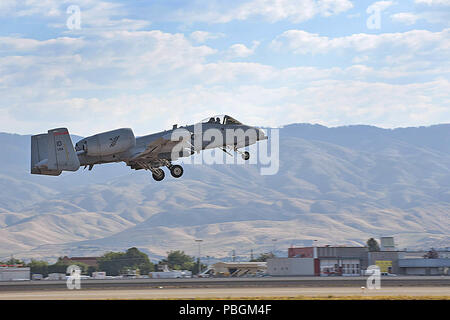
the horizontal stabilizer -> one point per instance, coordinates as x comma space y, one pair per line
39, 156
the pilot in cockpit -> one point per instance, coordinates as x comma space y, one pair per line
218, 120
211, 120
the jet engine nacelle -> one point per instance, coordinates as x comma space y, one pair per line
107, 143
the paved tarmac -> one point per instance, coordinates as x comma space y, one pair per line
225, 287
357, 282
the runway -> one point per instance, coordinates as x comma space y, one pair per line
356, 282
225, 288
231, 293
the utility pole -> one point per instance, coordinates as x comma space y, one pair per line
251, 254
234, 255
199, 241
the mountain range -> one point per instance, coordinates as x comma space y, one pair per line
339, 185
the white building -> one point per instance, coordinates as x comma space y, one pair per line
290, 266
14, 273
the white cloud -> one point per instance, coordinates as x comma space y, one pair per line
23, 45
379, 6
433, 2
302, 42
162, 78
328, 102
239, 50
95, 15
203, 36
270, 10
407, 18
360, 59
97, 62
111, 75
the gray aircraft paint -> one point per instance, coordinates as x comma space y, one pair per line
147, 152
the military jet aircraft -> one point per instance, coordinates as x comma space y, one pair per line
53, 152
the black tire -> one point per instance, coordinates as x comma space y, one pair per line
176, 171
160, 175
246, 155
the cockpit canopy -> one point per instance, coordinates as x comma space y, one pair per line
221, 119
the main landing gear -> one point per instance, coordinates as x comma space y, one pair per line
175, 170
158, 174
245, 155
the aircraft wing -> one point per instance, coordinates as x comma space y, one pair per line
161, 149
151, 151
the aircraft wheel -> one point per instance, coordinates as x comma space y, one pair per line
246, 155
176, 171
158, 175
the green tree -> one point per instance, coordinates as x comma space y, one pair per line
60, 266
91, 269
115, 263
112, 263
372, 244
37, 266
139, 260
14, 261
178, 260
263, 257
194, 268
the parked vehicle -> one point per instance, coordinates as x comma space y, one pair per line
37, 276
99, 275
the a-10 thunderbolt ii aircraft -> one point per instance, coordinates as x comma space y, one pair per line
53, 152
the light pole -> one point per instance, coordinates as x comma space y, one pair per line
199, 241
273, 250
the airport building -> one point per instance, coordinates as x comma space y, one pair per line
320, 261
334, 260
424, 267
353, 261
14, 273
414, 263
387, 261
292, 266
235, 269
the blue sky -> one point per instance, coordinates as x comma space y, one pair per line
150, 64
